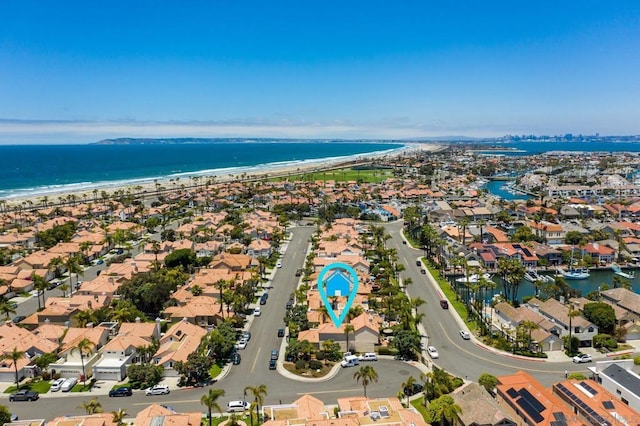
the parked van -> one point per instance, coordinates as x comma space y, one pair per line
237, 406
350, 361
68, 385
369, 356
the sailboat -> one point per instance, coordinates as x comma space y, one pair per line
574, 273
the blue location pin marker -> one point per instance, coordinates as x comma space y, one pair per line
340, 281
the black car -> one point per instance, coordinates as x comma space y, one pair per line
412, 390
281, 332
120, 392
274, 354
235, 358
24, 395
18, 318
290, 304
272, 364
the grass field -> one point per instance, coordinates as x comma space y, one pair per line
40, 387
417, 404
344, 175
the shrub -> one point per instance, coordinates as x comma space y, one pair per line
604, 341
636, 360
301, 364
46, 375
315, 365
320, 355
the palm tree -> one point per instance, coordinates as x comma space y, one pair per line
84, 345
73, 266
348, 328
444, 410
210, 400
258, 392
407, 385
118, 416
82, 318
366, 375
91, 407
6, 308
40, 284
572, 313
14, 356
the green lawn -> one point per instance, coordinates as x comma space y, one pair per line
458, 305
79, 387
40, 387
343, 175
214, 371
417, 404
216, 420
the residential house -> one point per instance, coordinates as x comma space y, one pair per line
178, 342
478, 408
201, 310
557, 313
71, 361
529, 403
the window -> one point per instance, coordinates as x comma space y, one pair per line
591, 330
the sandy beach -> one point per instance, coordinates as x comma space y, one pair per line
149, 187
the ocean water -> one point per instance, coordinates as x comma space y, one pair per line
38, 170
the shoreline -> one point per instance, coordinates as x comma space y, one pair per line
85, 192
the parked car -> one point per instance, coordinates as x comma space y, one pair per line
444, 304
298, 272
263, 298
578, 359
99, 262
68, 384
246, 335
125, 391
369, 356
412, 390
279, 264
237, 406
56, 385
281, 332
242, 344
274, 354
24, 395
235, 358
18, 318
157, 390
465, 335
290, 304
272, 364
257, 311
418, 263
433, 352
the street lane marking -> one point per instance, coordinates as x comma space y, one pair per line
495, 362
253, 367
330, 391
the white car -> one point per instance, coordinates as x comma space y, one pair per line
242, 344
279, 264
56, 385
433, 352
465, 335
157, 390
579, 359
257, 312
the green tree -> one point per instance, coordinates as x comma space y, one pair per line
407, 385
210, 400
194, 370
92, 406
14, 356
84, 346
348, 328
6, 308
407, 343
512, 271
40, 285
572, 238
184, 258
5, 415
144, 375
366, 375
73, 267
488, 381
258, 392
443, 411
118, 416
602, 315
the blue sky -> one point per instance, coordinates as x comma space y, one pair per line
83, 71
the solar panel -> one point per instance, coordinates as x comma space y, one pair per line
608, 405
560, 416
591, 390
531, 411
512, 392
532, 400
558, 423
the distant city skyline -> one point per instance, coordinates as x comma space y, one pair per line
77, 72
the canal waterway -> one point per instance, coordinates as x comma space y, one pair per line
596, 280
495, 187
